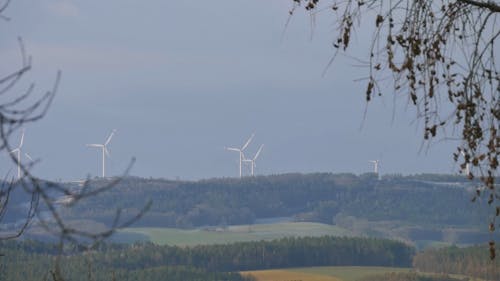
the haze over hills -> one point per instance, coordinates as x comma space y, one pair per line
419, 209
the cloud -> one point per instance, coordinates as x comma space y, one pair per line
63, 8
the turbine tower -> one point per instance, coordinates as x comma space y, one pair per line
252, 161
375, 165
104, 151
18, 152
240, 150
467, 165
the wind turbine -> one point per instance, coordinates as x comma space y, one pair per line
467, 165
375, 166
18, 151
104, 151
240, 150
252, 161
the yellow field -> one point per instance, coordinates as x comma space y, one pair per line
284, 275
326, 273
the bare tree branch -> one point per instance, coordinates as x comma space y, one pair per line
490, 5
16, 110
436, 52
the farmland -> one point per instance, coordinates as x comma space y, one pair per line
286, 275
270, 231
425, 211
237, 233
333, 273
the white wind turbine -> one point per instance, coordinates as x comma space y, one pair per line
467, 165
375, 166
240, 150
18, 151
104, 151
252, 161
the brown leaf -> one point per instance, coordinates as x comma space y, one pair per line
379, 20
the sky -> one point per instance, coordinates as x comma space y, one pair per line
182, 80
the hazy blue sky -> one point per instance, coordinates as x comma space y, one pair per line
180, 80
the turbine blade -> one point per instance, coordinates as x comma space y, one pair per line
233, 149
258, 152
29, 157
109, 138
14, 150
248, 142
95, 145
106, 151
22, 140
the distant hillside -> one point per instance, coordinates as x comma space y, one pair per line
318, 197
424, 208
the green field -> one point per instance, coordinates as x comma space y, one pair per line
341, 273
238, 233
256, 232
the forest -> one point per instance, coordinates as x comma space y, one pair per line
34, 260
319, 197
146, 261
418, 208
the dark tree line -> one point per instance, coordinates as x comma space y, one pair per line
148, 260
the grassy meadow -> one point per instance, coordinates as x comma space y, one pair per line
264, 231
237, 233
